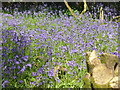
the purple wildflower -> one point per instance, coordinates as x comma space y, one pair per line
40, 83
21, 81
72, 63
5, 83
18, 67
74, 51
40, 70
16, 62
34, 74
25, 58
58, 80
79, 67
29, 65
13, 67
14, 77
22, 70
51, 73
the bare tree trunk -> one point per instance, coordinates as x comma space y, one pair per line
102, 73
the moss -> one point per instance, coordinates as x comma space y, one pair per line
86, 79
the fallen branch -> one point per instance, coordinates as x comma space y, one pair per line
114, 18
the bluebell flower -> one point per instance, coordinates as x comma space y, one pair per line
5, 83
74, 51
40, 83
51, 73
16, 62
20, 81
18, 67
13, 67
14, 77
40, 70
25, 58
34, 74
28, 65
22, 70
79, 67
71, 63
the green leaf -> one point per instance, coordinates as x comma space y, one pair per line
33, 79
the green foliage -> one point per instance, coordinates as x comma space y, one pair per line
38, 56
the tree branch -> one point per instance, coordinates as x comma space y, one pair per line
114, 18
66, 3
85, 7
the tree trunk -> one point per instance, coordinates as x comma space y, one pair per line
102, 73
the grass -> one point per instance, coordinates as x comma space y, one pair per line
33, 46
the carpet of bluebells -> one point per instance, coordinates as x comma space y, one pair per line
34, 44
